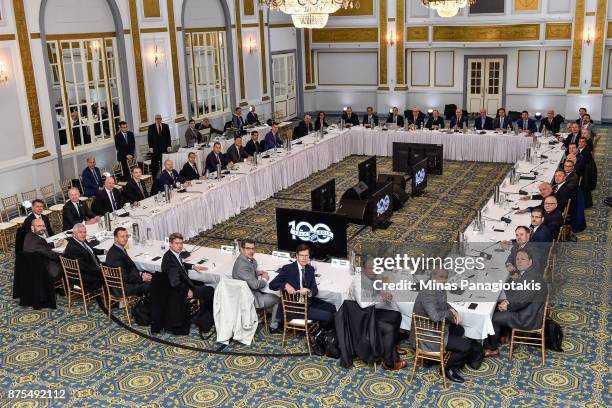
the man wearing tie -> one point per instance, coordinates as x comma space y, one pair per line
254, 145
415, 118
370, 117
483, 122
350, 119
135, 283
135, 190
190, 169
236, 153
38, 207
158, 137
572, 138
108, 199
75, 211
252, 118
501, 122
272, 139
458, 121
92, 178
215, 158
35, 242
581, 113
299, 277
237, 121
303, 128
538, 231
125, 145
526, 124
192, 136
80, 250
170, 177
395, 118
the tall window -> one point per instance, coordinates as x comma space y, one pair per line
86, 90
207, 66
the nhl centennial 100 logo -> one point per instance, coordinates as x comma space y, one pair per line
419, 177
317, 234
383, 205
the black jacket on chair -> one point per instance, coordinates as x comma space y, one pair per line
132, 193
71, 216
90, 272
102, 203
357, 334
33, 285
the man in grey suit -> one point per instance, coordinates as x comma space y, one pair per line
245, 268
34, 242
432, 303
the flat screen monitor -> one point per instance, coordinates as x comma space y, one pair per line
382, 205
367, 171
419, 177
401, 157
325, 233
323, 198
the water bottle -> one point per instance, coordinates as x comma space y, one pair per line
255, 158
167, 192
219, 171
235, 250
166, 244
135, 233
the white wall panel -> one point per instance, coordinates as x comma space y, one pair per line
78, 16
416, 9
559, 6
364, 71
419, 68
444, 66
157, 78
12, 135
528, 69
282, 39
204, 13
555, 68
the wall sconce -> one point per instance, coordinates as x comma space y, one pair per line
588, 35
95, 46
391, 38
157, 55
251, 45
3, 74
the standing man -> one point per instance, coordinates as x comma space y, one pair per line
192, 136
126, 146
160, 142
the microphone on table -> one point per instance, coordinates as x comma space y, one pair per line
523, 192
484, 254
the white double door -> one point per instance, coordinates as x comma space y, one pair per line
284, 87
485, 81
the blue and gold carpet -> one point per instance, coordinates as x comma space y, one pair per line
99, 363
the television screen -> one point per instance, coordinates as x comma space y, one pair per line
382, 204
323, 198
367, 171
325, 233
419, 177
401, 157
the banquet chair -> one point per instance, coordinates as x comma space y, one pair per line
295, 307
49, 196
263, 317
428, 332
535, 337
30, 196
72, 273
566, 229
7, 230
113, 280
65, 186
143, 153
118, 173
12, 203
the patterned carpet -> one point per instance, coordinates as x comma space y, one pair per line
99, 363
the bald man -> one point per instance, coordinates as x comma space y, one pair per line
35, 242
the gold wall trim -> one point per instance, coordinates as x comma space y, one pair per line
492, 33
80, 36
126, 31
154, 30
382, 43
526, 5
180, 119
595, 91
391, 19
366, 9
283, 25
8, 37
400, 74
40, 155
262, 47
239, 45
401, 88
249, 7
518, 70
417, 33
574, 91
310, 87
564, 72
265, 98
142, 100
203, 29
344, 35
35, 36
383, 88
590, 13
609, 83
179, 28
307, 56
250, 25
23, 38
577, 43
558, 31
609, 29
178, 99
599, 46
151, 9
412, 68
243, 103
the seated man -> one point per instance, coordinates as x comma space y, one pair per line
563, 190
75, 211
215, 158
190, 169
273, 139
435, 121
108, 199
370, 117
299, 277
237, 121
79, 249
432, 303
170, 177
252, 118
539, 232
205, 125
522, 234
571, 176
459, 120
545, 191
519, 309
526, 124
38, 207
303, 128
573, 136
550, 123
349, 118
553, 218
135, 283
245, 269
254, 145
578, 160
92, 178
135, 190
414, 118
395, 119
501, 122
192, 136
236, 153
35, 242
483, 122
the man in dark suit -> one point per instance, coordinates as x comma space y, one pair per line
581, 113
206, 126
236, 153
215, 158
75, 211
237, 121
395, 119
79, 249
80, 131
526, 124
303, 128
459, 120
539, 232
92, 178
370, 117
135, 190
272, 139
519, 308
571, 177
254, 145
573, 137
192, 136
501, 122
38, 207
135, 283
414, 118
435, 121
299, 277
432, 303
159, 139
108, 199
349, 118
553, 218
35, 242
550, 123
126, 146
522, 235
483, 122
563, 190
578, 160
170, 177
252, 118
190, 169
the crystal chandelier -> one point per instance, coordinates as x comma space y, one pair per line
447, 8
309, 13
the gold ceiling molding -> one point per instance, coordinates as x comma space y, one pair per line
399, 44
250, 25
203, 29
345, 35
609, 29
282, 25
590, 13
154, 30
142, 100
417, 34
558, 31
262, 47
178, 99
307, 56
577, 44
151, 9
40, 155
240, 56
526, 5
600, 24
249, 7
27, 66
79, 36
382, 44
366, 9
574, 91
35, 36
7, 37
492, 33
